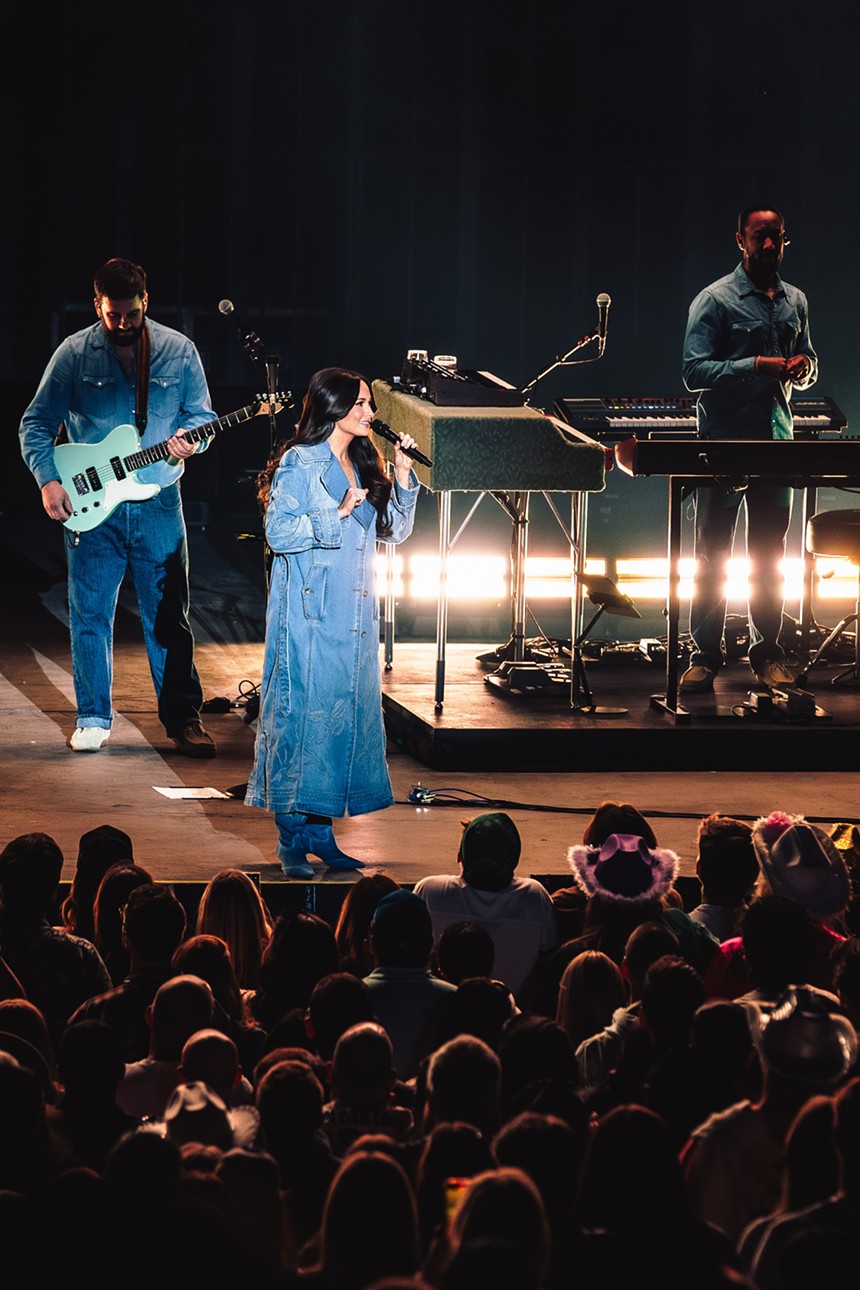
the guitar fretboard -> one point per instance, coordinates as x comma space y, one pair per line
159, 451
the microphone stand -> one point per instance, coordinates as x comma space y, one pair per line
255, 350
563, 360
271, 362
578, 679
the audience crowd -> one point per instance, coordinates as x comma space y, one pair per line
478, 1082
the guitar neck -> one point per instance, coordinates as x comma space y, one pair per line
160, 451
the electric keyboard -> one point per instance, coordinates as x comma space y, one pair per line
457, 387
800, 461
489, 449
675, 415
508, 452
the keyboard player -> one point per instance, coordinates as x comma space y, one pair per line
746, 346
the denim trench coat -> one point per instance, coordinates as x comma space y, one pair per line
320, 745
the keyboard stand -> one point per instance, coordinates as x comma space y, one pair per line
668, 702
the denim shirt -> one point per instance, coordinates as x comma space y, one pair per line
730, 324
86, 387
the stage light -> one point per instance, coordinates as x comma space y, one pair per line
483, 579
469, 577
645, 577
548, 577
836, 579
389, 560
792, 574
641, 567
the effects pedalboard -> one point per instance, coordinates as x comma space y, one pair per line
793, 703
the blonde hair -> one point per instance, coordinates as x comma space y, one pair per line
591, 990
232, 908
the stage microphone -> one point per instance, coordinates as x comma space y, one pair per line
603, 303
385, 432
250, 339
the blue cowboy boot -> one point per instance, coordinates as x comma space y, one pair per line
319, 841
291, 849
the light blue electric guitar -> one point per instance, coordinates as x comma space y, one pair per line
98, 476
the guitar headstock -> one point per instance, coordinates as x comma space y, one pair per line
282, 399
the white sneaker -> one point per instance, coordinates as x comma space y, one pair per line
89, 739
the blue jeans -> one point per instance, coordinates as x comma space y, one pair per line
148, 540
768, 512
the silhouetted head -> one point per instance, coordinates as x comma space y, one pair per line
153, 923
401, 931
30, 869
490, 851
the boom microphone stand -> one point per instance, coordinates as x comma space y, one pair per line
564, 360
256, 351
608, 596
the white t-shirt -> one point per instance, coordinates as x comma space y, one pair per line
520, 919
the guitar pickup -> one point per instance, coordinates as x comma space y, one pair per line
117, 467
80, 485
93, 477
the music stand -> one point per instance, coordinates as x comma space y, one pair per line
603, 593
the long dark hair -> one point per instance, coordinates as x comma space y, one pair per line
331, 394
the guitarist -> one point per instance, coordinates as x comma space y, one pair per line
125, 369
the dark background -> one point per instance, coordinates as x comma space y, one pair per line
361, 178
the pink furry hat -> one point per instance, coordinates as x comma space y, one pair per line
623, 870
800, 860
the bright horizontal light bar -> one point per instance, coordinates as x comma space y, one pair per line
646, 567
646, 578
469, 577
648, 588
381, 571
835, 579
487, 578
548, 577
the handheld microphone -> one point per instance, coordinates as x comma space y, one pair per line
385, 432
603, 303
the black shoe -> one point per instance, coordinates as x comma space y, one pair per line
194, 740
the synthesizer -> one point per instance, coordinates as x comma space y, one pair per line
457, 387
801, 463
675, 415
787, 459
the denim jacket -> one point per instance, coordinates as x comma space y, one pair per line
86, 387
730, 324
320, 744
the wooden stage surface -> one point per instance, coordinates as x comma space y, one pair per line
532, 756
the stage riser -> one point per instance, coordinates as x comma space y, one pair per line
609, 744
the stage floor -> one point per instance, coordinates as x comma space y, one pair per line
548, 766
497, 716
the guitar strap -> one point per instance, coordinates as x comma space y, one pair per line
144, 350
